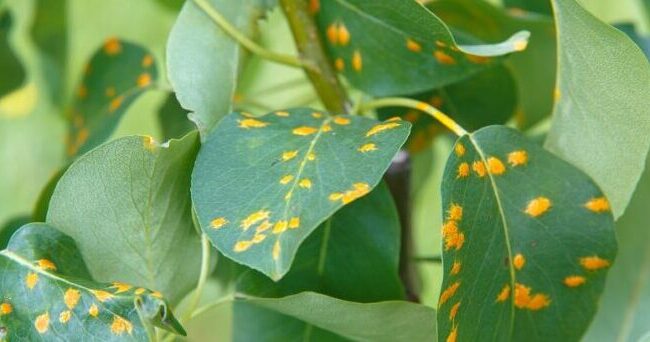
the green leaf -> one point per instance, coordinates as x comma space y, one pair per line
394, 47
623, 314
527, 242
118, 73
533, 69
9, 228
173, 119
204, 62
39, 213
47, 294
339, 320
12, 71
539, 6
127, 205
601, 120
50, 35
485, 99
260, 186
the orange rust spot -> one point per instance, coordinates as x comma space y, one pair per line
455, 268
42, 323
314, 6
463, 170
112, 46
257, 238
252, 123
304, 130
139, 291
453, 334
264, 226
367, 148
455, 241
305, 183
282, 114
286, 179
598, 205
6, 309
538, 206
326, 127
339, 64
46, 264
31, 280
288, 155
317, 115
504, 294
93, 311
121, 325
517, 158
294, 222
156, 294
121, 287
254, 218
524, 299
343, 34
357, 61
413, 45
276, 250
218, 222
71, 298
147, 61
440, 43
574, 281
339, 120
64, 316
144, 80
449, 228
280, 227
495, 166
382, 127
102, 296
448, 293
115, 104
479, 168
444, 58
593, 263
459, 149
455, 212
242, 246
358, 190
519, 261
311, 156
333, 33
478, 59
454, 311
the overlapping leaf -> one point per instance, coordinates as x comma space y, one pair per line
116, 75
46, 293
204, 62
601, 120
260, 186
488, 98
393, 47
49, 31
528, 239
12, 71
127, 206
173, 119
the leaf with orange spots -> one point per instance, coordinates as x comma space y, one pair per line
127, 205
525, 228
391, 47
117, 74
241, 174
12, 71
42, 303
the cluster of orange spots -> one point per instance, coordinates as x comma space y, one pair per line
305, 183
252, 123
286, 179
463, 170
282, 114
120, 287
357, 61
112, 46
110, 92
448, 293
519, 261
412, 45
358, 190
71, 298
593, 263
455, 212
574, 281
304, 130
218, 222
288, 155
115, 104
339, 64
504, 293
276, 250
478, 59
147, 61
339, 120
121, 325
369, 147
144, 80
455, 268
93, 311
479, 168
382, 127
459, 149
454, 238
517, 158
5, 309
444, 58
46, 264
453, 334
82, 92
338, 34
254, 218
31, 280
524, 299
102, 296
64, 316
42, 323
314, 6
538, 206
598, 205
495, 166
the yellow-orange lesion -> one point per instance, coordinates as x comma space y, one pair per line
538, 206
598, 205
525, 299
358, 190
594, 263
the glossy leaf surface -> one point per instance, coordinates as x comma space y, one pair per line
527, 242
260, 186
127, 206
602, 128
116, 75
47, 294
398, 47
